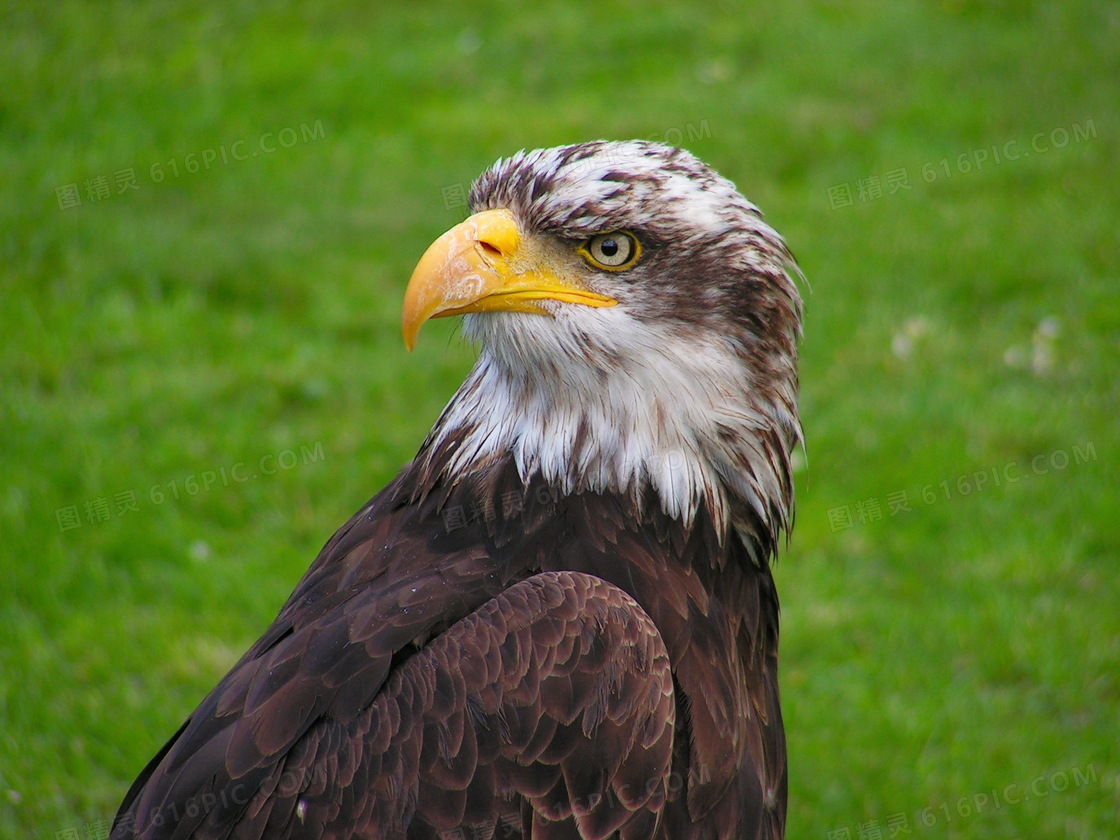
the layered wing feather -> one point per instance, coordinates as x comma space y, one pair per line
564, 672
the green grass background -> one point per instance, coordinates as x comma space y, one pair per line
966, 648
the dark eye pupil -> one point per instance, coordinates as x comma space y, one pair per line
608, 247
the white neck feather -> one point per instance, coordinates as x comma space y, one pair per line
665, 413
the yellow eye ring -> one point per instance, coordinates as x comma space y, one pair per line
614, 251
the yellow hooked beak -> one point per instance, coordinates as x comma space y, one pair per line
480, 266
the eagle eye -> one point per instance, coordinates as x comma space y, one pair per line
613, 251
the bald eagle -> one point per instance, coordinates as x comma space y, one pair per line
559, 619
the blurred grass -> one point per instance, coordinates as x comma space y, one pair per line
246, 313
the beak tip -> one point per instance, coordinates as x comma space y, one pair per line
409, 335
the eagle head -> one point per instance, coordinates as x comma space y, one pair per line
637, 323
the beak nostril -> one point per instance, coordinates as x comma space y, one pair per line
488, 250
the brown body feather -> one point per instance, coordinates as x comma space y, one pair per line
493, 659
